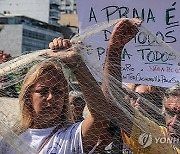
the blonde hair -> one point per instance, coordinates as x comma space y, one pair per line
31, 78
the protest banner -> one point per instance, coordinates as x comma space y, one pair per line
145, 60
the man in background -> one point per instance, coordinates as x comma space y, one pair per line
77, 104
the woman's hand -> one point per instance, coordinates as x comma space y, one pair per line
124, 31
59, 44
62, 48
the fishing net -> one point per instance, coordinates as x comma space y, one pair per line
148, 114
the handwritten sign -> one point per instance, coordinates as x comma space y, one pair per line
145, 60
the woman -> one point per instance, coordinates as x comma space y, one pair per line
45, 119
148, 100
45, 122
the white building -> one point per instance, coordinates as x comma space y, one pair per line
19, 34
68, 6
44, 10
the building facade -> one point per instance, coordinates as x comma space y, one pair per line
69, 14
30, 25
44, 10
68, 6
20, 34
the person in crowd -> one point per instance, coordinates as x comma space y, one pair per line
77, 104
131, 121
150, 104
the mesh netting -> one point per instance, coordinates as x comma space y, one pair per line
128, 117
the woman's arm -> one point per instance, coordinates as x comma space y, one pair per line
122, 33
95, 126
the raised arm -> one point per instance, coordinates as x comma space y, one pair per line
94, 127
122, 33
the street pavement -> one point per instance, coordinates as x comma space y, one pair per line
9, 110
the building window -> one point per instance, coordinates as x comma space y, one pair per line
33, 34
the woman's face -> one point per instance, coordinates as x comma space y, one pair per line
48, 96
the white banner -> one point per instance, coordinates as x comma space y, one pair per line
144, 59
